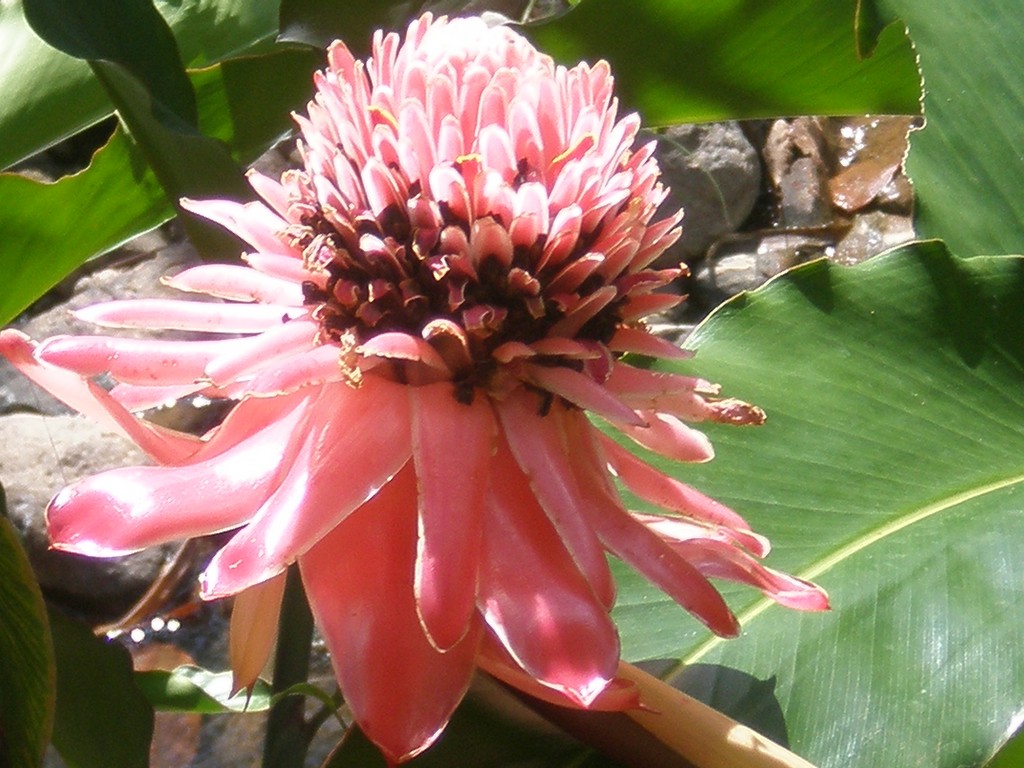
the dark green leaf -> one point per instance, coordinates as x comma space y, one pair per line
193, 689
1011, 755
47, 230
318, 23
130, 33
691, 60
187, 163
27, 672
891, 471
102, 719
966, 164
46, 95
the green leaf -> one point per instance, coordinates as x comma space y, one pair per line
691, 60
47, 230
966, 164
318, 23
1011, 755
193, 689
130, 33
890, 471
102, 719
46, 95
27, 674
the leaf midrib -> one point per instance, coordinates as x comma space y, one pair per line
848, 550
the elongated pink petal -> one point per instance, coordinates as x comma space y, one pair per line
320, 365
91, 400
203, 316
403, 346
539, 449
229, 281
637, 545
717, 559
253, 222
134, 397
248, 354
154, 362
667, 492
359, 577
671, 438
618, 695
537, 602
643, 342
284, 266
579, 389
125, 510
450, 506
350, 452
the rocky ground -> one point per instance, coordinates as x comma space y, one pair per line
759, 198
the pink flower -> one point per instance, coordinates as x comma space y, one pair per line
434, 304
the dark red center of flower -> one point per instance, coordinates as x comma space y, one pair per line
388, 274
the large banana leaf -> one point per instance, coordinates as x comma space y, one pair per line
683, 61
891, 471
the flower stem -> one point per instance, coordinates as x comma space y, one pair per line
287, 737
702, 735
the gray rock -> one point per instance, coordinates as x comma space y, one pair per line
715, 176
38, 456
795, 157
872, 233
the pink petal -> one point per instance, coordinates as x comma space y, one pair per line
396, 345
243, 356
537, 602
584, 311
717, 559
451, 506
358, 577
228, 281
647, 304
89, 399
581, 390
618, 695
643, 342
153, 362
253, 222
125, 510
285, 267
205, 316
539, 448
668, 436
356, 441
637, 545
284, 375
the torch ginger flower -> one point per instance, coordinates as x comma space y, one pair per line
434, 304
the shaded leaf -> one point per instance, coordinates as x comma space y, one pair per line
46, 95
693, 61
966, 164
891, 471
27, 673
318, 23
102, 719
186, 162
47, 230
130, 33
193, 689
